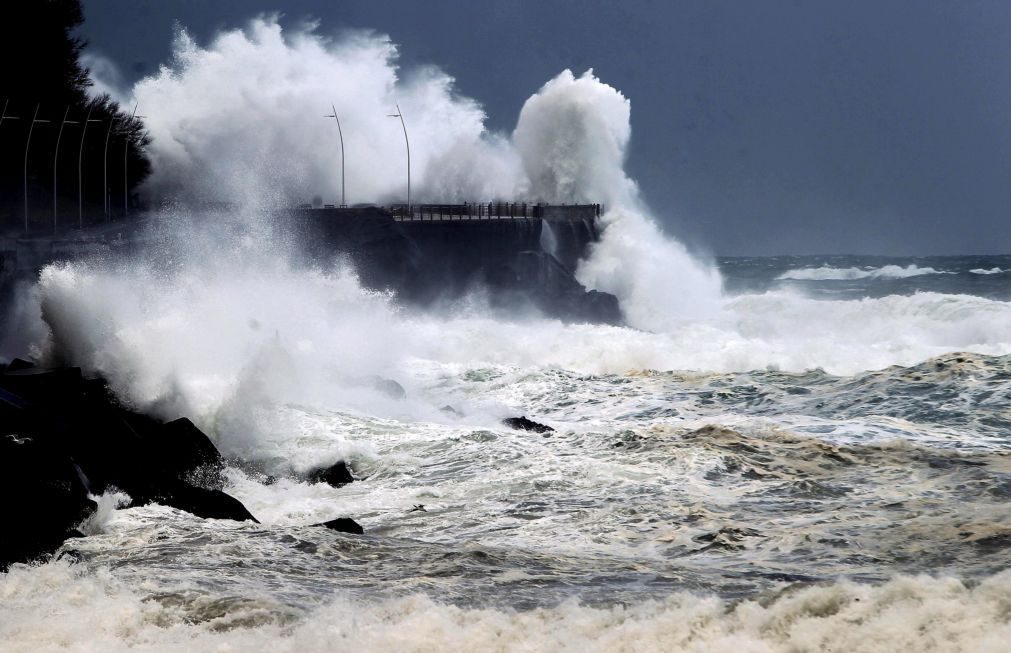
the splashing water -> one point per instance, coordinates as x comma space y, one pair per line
255, 141
733, 480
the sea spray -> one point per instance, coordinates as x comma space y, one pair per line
261, 137
256, 142
573, 136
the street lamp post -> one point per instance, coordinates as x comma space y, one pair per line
56, 158
80, 157
126, 149
4, 116
28, 144
105, 169
341, 134
399, 114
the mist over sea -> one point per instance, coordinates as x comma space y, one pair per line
774, 454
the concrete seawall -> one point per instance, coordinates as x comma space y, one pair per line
519, 259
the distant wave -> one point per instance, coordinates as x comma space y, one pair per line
990, 271
826, 273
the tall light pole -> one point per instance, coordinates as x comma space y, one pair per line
399, 114
105, 169
28, 144
4, 116
80, 184
334, 116
56, 158
126, 149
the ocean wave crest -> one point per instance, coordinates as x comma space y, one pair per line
828, 273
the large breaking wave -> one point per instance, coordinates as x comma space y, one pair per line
229, 323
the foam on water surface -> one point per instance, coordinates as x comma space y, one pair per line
773, 468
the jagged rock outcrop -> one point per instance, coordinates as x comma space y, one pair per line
64, 437
344, 525
336, 475
524, 424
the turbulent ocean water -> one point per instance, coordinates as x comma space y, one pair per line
776, 454
819, 463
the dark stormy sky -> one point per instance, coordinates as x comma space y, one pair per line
865, 126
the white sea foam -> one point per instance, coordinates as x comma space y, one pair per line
828, 273
273, 361
59, 607
993, 270
228, 345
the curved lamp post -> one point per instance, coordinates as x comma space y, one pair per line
126, 149
399, 114
4, 116
341, 133
80, 156
105, 168
28, 144
56, 158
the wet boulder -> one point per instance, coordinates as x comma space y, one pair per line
524, 424
19, 364
42, 387
344, 525
185, 452
449, 410
336, 475
388, 387
205, 503
63, 437
45, 498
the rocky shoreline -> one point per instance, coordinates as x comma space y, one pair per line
65, 440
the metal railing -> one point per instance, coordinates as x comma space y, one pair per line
488, 211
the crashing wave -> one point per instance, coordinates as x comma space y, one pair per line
827, 273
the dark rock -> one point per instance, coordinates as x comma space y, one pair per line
186, 451
63, 437
43, 387
19, 364
344, 525
209, 504
44, 498
449, 410
524, 424
388, 387
336, 475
